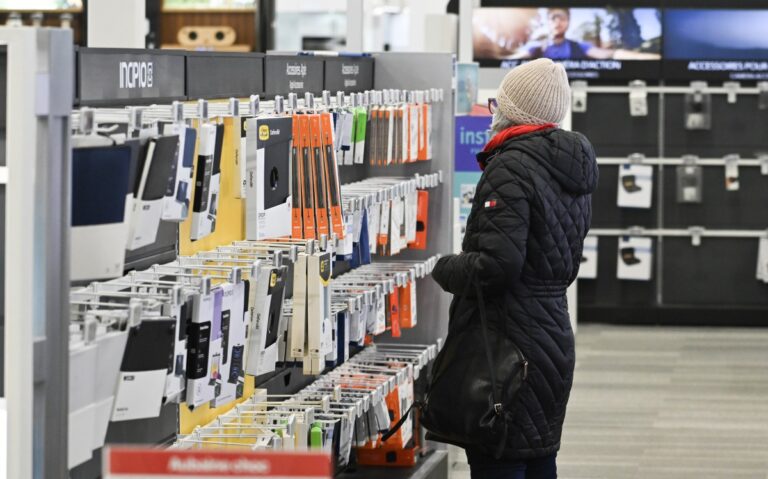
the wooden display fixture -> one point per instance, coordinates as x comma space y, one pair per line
216, 29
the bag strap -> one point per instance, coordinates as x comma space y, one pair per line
497, 405
401, 421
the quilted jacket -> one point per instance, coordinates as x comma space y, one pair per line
524, 239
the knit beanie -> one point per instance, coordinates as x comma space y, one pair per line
535, 93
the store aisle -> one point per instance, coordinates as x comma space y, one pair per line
666, 403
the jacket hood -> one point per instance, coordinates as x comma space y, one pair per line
568, 156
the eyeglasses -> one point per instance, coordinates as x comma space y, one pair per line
493, 105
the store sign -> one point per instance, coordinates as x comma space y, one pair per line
107, 76
136, 74
472, 133
297, 74
245, 75
348, 74
149, 463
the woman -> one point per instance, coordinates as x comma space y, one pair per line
523, 243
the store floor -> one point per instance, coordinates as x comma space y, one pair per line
665, 403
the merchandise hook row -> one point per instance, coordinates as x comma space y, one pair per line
687, 160
694, 232
86, 119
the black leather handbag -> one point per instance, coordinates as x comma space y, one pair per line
475, 379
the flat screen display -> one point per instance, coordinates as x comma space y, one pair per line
592, 43
715, 44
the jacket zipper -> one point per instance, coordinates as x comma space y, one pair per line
522, 361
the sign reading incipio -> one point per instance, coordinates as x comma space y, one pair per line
348, 74
111, 76
293, 75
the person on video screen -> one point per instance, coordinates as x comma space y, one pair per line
559, 47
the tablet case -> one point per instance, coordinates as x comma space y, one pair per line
102, 195
268, 198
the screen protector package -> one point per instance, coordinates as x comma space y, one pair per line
207, 181
147, 358
178, 194
319, 331
689, 184
265, 317
358, 139
158, 171
635, 258
233, 328
635, 186
200, 389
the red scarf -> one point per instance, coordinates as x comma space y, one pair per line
501, 137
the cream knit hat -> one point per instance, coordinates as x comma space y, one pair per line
535, 93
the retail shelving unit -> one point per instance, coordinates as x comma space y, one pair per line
704, 253
171, 82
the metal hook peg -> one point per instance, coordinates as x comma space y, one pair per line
293, 101
134, 312
234, 107
732, 90
690, 160
696, 233
136, 117
279, 105
340, 99
254, 102
202, 109
309, 100
87, 121
236, 275
177, 112
326, 98
636, 159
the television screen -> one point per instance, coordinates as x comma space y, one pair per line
592, 43
715, 44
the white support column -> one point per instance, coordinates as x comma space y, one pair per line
572, 294
117, 23
465, 30
40, 64
355, 25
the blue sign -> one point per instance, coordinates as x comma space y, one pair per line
472, 133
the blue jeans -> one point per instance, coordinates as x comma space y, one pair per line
483, 467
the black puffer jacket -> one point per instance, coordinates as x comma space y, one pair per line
524, 239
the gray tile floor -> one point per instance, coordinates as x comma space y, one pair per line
666, 403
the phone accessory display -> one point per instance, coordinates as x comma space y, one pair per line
732, 173
635, 186
698, 108
635, 259
344, 412
690, 182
